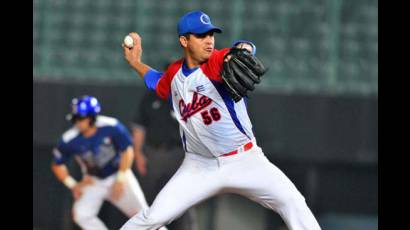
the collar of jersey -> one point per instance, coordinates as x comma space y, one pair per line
187, 71
90, 137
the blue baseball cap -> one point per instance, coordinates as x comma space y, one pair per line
196, 22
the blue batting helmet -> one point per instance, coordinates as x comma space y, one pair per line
84, 106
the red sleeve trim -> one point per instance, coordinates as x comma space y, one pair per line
164, 84
213, 67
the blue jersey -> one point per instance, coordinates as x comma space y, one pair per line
99, 154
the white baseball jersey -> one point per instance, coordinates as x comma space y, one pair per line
211, 123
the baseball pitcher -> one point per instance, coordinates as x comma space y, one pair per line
207, 90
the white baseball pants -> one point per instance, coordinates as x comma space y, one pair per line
86, 208
249, 174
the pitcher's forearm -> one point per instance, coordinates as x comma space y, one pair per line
140, 68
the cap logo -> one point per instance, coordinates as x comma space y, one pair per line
205, 19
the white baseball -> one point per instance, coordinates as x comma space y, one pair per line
128, 42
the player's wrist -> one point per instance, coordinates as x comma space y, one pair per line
136, 63
120, 176
246, 46
70, 182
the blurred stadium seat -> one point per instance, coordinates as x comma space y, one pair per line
318, 46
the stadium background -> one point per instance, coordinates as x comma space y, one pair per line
315, 113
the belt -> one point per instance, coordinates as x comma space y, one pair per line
246, 147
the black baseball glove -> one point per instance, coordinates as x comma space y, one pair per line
241, 72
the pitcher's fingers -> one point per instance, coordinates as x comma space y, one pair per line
126, 50
136, 38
